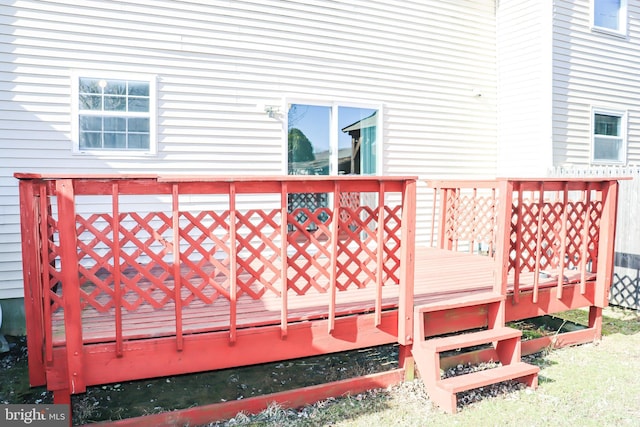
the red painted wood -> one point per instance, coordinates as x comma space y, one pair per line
177, 276
284, 226
333, 256
380, 252
606, 243
548, 302
407, 264
117, 284
32, 285
287, 399
71, 295
489, 376
158, 357
48, 264
470, 339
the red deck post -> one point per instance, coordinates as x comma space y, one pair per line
31, 242
380, 254
333, 269
177, 276
284, 258
407, 264
503, 239
233, 265
71, 285
44, 214
117, 277
606, 244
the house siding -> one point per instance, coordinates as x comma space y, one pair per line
218, 64
592, 69
524, 82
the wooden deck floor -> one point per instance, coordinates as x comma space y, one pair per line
439, 275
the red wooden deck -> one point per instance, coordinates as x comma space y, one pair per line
234, 271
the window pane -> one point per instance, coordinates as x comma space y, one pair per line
606, 13
138, 141
607, 125
89, 140
116, 87
357, 140
139, 104
91, 123
308, 139
90, 102
138, 88
115, 124
115, 140
138, 125
89, 86
607, 149
114, 103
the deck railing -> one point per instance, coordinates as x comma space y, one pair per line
113, 245
545, 232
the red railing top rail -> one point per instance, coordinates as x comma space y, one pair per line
213, 178
528, 182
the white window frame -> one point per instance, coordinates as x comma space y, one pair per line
333, 141
152, 114
622, 19
623, 135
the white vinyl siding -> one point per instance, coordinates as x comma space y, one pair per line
218, 64
592, 69
525, 85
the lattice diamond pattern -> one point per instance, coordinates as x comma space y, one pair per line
392, 233
95, 260
309, 264
301, 203
259, 262
206, 255
551, 234
471, 218
356, 246
625, 290
55, 275
146, 273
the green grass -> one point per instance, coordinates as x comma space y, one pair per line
589, 385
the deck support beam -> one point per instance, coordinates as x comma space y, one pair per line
71, 286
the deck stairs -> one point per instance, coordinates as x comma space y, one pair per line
462, 324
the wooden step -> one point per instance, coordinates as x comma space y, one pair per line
466, 301
465, 340
491, 376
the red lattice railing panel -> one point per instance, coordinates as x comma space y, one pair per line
205, 255
147, 275
259, 262
555, 251
311, 242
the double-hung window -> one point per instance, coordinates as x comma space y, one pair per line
610, 15
114, 115
609, 137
